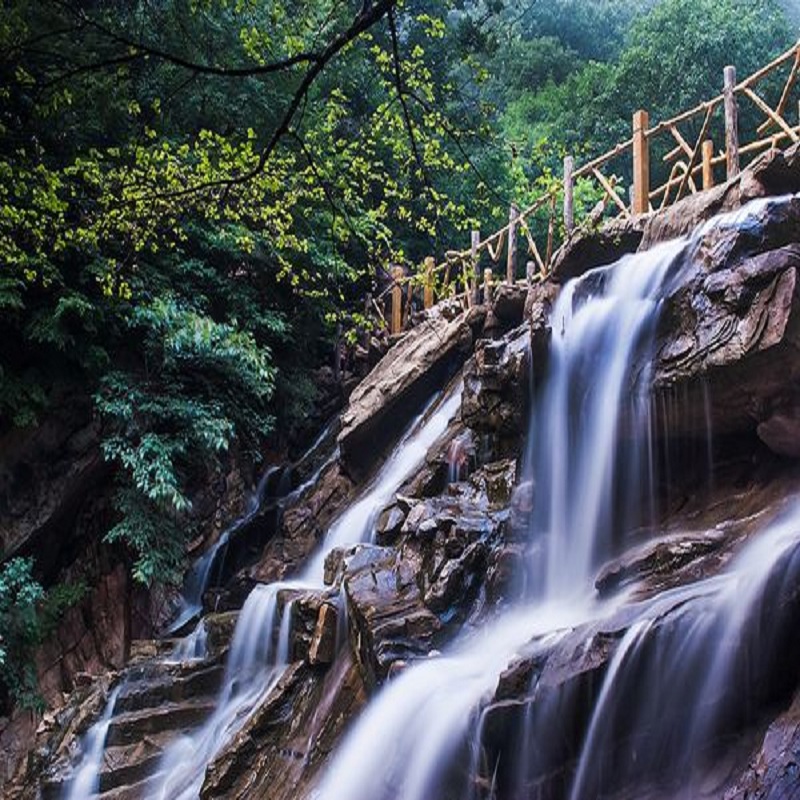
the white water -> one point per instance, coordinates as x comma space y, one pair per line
419, 722
87, 779
578, 461
259, 652
713, 632
197, 578
588, 490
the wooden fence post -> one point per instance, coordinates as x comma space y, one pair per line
472, 289
641, 163
397, 300
731, 123
569, 212
511, 263
427, 291
487, 286
708, 167
531, 270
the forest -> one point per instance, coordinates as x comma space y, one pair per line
197, 195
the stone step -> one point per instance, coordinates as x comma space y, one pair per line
174, 685
125, 765
132, 726
133, 791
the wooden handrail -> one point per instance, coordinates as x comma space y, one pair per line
701, 160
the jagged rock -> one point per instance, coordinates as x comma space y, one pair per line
407, 375
659, 559
388, 617
729, 333
219, 631
508, 304
495, 382
389, 523
302, 526
774, 770
538, 306
280, 749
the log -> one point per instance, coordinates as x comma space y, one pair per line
397, 300
511, 263
569, 188
427, 292
641, 163
731, 122
708, 167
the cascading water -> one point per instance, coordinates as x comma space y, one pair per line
197, 578
579, 460
712, 645
590, 453
259, 651
86, 780
421, 720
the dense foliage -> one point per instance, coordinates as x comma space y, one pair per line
194, 194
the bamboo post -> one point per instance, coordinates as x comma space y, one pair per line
569, 188
397, 300
511, 263
427, 292
487, 286
641, 163
708, 167
731, 123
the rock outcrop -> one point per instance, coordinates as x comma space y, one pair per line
382, 404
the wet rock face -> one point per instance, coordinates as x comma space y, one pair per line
729, 333
495, 397
384, 402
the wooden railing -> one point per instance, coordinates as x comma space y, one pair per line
690, 164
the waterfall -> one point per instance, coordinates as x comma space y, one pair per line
87, 778
590, 456
578, 459
713, 645
259, 652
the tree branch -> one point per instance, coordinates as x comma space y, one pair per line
369, 16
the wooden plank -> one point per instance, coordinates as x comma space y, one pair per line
427, 291
397, 300
511, 261
641, 163
708, 167
569, 188
731, 122
779, 121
